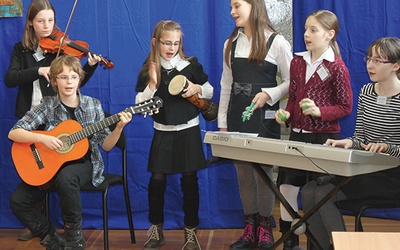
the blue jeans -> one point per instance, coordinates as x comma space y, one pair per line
67, 183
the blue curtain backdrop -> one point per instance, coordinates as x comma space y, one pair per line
120, 30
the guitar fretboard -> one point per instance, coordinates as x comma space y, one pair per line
148, 106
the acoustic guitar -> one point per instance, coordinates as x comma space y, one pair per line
37, 164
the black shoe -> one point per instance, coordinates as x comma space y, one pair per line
246, 241
265, 234
75, 245
74, 237
291, 242
53, 242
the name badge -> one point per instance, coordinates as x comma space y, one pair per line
269, 114
381, 100
323, 72
38, 56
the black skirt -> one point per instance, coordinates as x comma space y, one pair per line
176, 151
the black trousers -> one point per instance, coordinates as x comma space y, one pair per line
67, 183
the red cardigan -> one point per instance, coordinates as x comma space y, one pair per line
333, 96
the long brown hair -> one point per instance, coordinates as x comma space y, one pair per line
260, 22
29, 39
329, 21
154, 55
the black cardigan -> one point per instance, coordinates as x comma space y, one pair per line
23, 70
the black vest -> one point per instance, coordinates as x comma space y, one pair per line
248, 79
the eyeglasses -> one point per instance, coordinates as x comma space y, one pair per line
375, 61
170, 44
67, 78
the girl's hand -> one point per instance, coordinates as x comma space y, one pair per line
152, 75
260, 99
191, 89
344, 143
379, 147
45, 72
281, 116
93, 59
223, 130
309, 108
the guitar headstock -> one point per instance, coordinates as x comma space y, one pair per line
150, 106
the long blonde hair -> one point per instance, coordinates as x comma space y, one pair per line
154, 55
329, 21
260, 22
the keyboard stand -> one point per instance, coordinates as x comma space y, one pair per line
294, 214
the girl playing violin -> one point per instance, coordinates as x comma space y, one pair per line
29, 66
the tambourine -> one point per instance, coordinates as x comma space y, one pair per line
208, 109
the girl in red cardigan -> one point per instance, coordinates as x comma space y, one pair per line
319, 95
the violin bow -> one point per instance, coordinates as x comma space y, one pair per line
66, 28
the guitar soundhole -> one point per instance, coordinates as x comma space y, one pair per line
67, 145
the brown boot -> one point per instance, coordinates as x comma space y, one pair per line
25, 235
155, 237
191, 241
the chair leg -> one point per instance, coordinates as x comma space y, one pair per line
359, 227
105, 219
47, 205
129, 214
357, 224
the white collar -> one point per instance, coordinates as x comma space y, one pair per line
241, 32
328, 55
176, 62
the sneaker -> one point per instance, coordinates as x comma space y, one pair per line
191, 241
155, 237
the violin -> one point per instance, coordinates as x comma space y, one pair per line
79, 49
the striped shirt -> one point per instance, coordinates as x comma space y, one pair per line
378, 120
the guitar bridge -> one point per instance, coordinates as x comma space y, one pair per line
36, 155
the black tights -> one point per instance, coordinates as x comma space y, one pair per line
190, 190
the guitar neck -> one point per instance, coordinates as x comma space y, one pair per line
147, 106
91, 129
